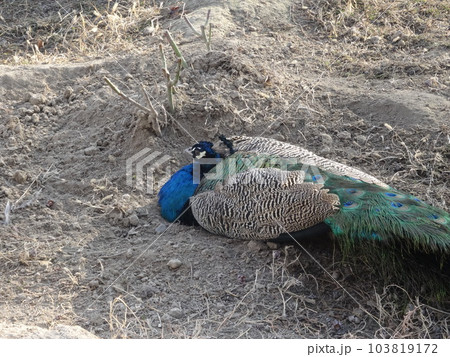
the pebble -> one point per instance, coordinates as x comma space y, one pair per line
37, 99
358, 312
278, 136
133, 220
68, 92
345, 135
256, 246
354, 319
259, 286
149, 30
91, 150
20, 176
35, 118
176, 313
174, 264
361, 139
351, 153
49, 110
325, 150
374, 40
161, 228
94, 284
234, 94
148, 291
326, 139
23, 112
335, 275
432, 82
273, 246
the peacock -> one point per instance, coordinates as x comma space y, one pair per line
264, 189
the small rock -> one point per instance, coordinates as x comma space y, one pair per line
273, 246
279, 137
125, 222
133, 220
397, 36
351, 153
37, 99
325, 150
149, 30
112, 159
68, 92
142, 212
354, 319
432, 82
174, 264
94, 284
129, 253
344, 135
148, 291
176, 313
251, 28
256, 246
91, 150
361, 139
161, 228
49, 110
24, 112
326, 139
358, 312
374, 40
35, 118
234, 94
165, 318
20, 176
126, 197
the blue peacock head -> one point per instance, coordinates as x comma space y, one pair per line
174, 195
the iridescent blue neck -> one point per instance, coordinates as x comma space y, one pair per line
174, 195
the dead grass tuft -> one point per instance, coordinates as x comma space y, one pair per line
77, 30
383, 18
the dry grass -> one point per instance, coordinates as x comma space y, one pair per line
78, 31
383, 18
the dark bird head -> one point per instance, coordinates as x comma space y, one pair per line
203, 149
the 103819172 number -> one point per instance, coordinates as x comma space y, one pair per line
403, 348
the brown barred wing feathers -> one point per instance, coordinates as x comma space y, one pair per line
263, 203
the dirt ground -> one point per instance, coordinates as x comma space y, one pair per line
365, 83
